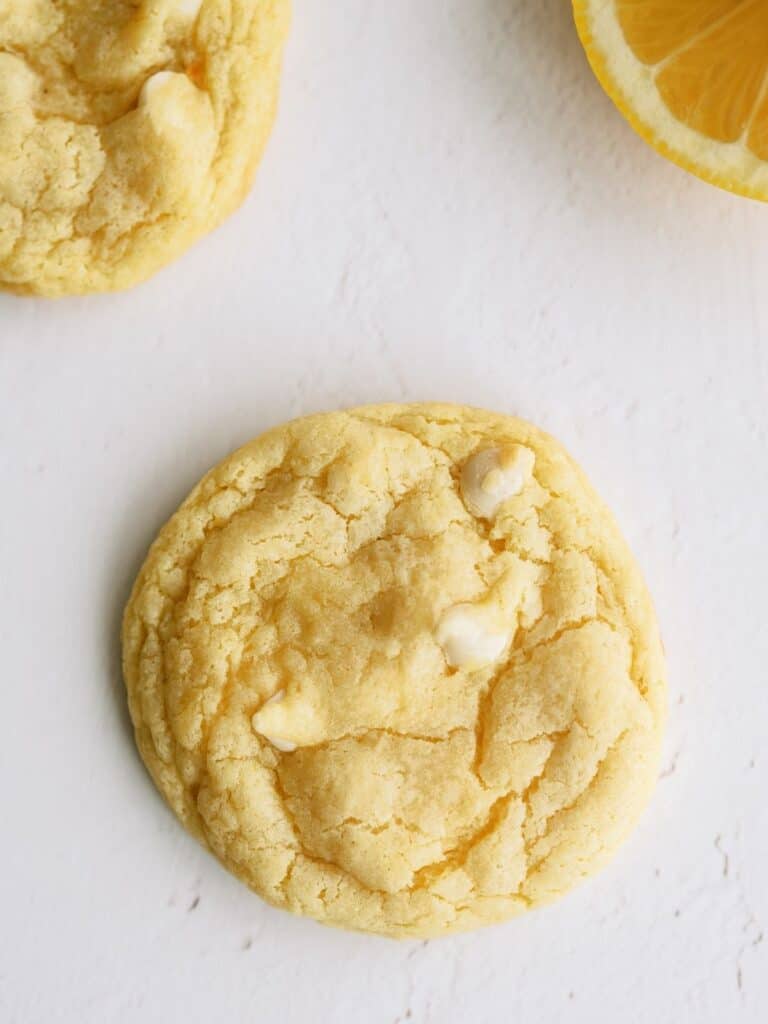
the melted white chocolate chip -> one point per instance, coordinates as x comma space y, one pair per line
285, 746
153, 84
189, 8
493, 475
468, 639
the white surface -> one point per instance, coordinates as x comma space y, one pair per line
449, 209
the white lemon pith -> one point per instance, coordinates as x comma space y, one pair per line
378, 707
692, 77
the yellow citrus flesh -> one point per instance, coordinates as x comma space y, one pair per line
692, 77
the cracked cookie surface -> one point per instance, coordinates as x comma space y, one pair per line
128, 129
297, 702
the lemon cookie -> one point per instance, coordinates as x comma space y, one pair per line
397, 669
128, 128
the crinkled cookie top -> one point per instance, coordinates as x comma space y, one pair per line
397, 668
128, 128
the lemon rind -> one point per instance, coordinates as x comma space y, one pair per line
629, 83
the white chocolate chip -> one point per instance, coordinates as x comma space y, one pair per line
153, 84
189, 8
280, 744
493, 475
468, 639
285, 746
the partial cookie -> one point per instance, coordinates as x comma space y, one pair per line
398, 670
128, 129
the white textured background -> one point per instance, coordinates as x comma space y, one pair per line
449, 209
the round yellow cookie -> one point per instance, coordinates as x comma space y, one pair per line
128, 128
397, 669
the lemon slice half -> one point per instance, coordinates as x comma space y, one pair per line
691, 76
